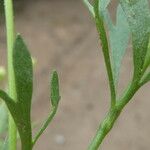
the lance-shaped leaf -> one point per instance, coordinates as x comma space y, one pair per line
55, 96
119, 38
20, 108
138, 16
23, 73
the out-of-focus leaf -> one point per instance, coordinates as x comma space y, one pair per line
90, 7
3, 118
103, 5
55, 96
5, 144
2, 73
138, 16
20, 108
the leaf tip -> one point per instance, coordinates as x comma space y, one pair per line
55, 97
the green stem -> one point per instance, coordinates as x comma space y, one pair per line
45, 125
11, 82
105, 48
104, 129
109, 121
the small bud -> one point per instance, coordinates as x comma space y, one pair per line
55, 97
2, 73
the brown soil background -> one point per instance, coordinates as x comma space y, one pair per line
61, 34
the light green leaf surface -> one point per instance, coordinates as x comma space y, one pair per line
103, 4
119, 38
138, 16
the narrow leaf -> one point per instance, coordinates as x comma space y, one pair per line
90, 7
138, 14
22, 64
55, 96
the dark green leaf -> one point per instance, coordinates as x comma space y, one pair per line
138, 16
55, 96
20, 108
23, 73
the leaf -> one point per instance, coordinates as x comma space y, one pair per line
3, 118
119, 38
20, 108
23, 73
138, 16
55, 96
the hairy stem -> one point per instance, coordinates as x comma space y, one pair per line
11, 81
109, 121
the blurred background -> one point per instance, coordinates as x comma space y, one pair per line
61, 35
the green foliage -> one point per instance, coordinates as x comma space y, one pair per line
138, 14
133, 17
20, 108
